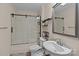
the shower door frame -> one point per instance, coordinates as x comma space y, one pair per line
13, 15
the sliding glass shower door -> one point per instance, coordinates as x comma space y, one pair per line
25, 29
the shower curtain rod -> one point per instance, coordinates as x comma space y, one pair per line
22, 15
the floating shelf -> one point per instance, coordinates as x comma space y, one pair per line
59, 17
46, 20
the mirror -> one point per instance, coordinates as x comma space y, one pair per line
65, 19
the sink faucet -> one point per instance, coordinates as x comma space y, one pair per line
59, 41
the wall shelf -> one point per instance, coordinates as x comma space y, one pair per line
46, 20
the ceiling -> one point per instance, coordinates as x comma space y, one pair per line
35, 7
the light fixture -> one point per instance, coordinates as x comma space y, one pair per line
63, 4
38, 17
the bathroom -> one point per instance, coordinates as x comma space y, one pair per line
24, 26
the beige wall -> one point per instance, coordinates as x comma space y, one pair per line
5, 34
46, 11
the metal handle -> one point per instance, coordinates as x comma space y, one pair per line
11, 29
63, 29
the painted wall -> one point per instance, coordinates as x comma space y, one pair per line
5, 34
46, 11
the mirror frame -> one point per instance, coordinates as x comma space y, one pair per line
76, 21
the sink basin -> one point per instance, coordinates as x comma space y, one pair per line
55, 48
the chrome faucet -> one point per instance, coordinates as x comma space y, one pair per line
59, 41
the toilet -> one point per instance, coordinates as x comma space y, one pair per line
36, 50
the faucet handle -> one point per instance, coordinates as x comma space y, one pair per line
59, 41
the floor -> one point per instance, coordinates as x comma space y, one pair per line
21, 54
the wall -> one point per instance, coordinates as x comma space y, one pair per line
5, 34
46, 11
22, 48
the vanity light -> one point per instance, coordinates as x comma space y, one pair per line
38, 17
63, 4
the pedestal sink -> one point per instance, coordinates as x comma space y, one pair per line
56, 49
